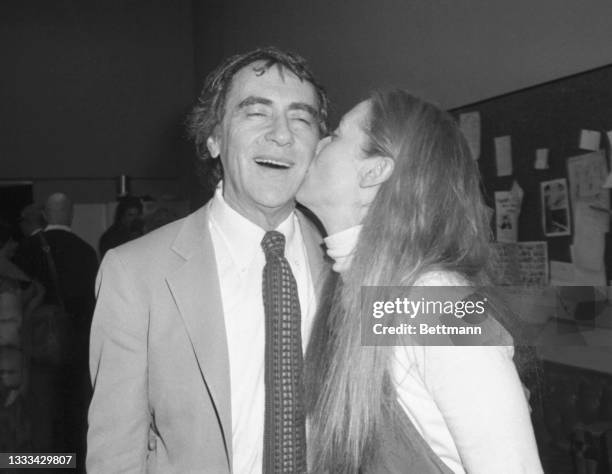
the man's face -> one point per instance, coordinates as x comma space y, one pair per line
130, 215
266, 140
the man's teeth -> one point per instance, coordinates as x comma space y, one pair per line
272, 163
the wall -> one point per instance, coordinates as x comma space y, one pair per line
452, 52
94, 90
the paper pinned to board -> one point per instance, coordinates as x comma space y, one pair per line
522, 264
556, 216
591, 220
503, 155
562, 273
469, 123
587, 176
517, 193
590, 140
608, 182
541, 161
567, 274
507, 210
589, 252
589, 238
587, 277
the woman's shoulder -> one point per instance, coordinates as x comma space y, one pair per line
442, 278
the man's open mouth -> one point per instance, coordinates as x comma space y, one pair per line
274, 164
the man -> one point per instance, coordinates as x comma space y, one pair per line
76, 262
177, 347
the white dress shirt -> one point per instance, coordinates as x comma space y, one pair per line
240, 261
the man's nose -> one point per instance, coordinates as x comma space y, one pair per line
280, 132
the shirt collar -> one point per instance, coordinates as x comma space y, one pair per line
243, 237
58, 227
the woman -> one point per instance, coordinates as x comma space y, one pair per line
399, 195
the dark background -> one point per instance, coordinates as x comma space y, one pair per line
90, 90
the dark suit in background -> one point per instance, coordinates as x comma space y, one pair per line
76, 263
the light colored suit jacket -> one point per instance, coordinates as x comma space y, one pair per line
158, 358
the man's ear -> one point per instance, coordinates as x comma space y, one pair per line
375, 171
212, 143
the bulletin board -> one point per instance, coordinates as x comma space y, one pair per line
548, 116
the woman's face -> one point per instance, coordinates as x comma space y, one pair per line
333, 177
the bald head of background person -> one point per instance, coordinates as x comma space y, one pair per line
58, 210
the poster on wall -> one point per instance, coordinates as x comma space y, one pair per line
555, 208
587, 174
507, 209
522, 264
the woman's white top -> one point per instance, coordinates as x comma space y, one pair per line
467, 402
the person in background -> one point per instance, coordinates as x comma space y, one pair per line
19, 296
76, 262
397, 190
66, 266
15, 416
32, 219
8, 245
128, 225
159, 218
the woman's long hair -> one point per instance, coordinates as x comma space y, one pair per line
428, 215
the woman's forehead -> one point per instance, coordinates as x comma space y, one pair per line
357, 115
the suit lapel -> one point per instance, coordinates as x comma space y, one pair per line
196, 290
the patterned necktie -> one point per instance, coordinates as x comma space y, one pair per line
284, 426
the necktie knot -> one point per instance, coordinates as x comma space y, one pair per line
273, 243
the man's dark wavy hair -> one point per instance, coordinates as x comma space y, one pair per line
208, 111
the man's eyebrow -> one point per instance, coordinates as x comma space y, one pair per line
252, 100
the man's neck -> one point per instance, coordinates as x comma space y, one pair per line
267, 219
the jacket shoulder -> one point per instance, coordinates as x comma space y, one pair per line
152, 245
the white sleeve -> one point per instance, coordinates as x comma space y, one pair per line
480, 396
